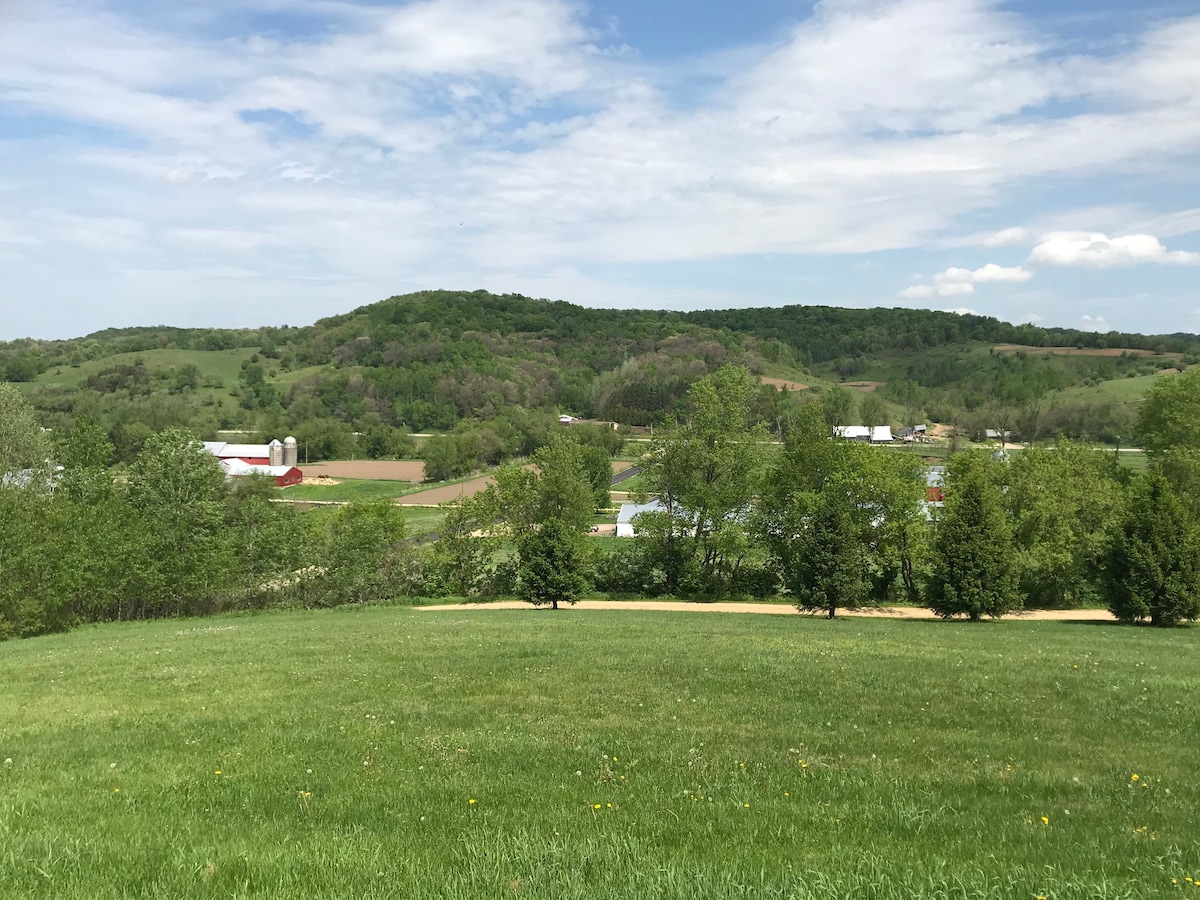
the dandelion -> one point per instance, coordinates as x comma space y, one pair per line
614, 759
471, 802
116, 790
217, 772
8, 761
745, 806
112, 765
595, 806
1133, 777
1045, 821
608, 805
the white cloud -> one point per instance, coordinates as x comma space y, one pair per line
944, 289
1101, 252
1009, 237
1094, 323
1030, 319
962, 311
957, 282
488, 137
989, 272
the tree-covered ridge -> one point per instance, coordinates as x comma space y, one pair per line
496, 370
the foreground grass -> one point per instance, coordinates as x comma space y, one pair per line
401, 753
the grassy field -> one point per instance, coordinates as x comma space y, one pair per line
1120, 390
375, 753
348, 489
223, 364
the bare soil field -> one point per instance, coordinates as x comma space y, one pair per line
784, 383
780, 609
411, 470
1076, 351
434, 496
619, 466
865, 387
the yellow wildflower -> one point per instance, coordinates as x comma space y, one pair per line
1133, 777
1045, 821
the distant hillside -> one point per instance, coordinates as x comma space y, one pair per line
443, 360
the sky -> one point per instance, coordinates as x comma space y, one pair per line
264, 162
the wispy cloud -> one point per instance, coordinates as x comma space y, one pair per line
511, 139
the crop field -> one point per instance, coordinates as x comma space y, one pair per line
391, 752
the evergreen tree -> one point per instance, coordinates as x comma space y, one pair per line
1152, 569
826, 564
974, 566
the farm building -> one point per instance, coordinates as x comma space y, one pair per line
853, 432
628, 511
875, 434
933, 484
272, 454
567, 420
911, 433
284, 476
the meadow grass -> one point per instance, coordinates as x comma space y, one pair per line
223, 364
348, 489
390, 752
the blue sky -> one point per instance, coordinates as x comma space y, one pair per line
275, 161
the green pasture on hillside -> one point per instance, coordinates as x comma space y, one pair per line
1120, 390
223, 364
391, 752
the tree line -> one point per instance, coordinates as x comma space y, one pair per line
825, 523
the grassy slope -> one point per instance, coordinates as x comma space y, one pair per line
351, 743
225, 364
1121, 390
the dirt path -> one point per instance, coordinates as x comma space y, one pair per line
434, 496
780, 609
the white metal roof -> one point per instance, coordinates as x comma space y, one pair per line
232, 450
629, 510
881, 434
237, 467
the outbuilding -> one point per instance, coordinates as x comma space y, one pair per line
284, 476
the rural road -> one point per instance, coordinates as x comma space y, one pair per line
780, 609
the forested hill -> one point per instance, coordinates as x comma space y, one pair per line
441, 360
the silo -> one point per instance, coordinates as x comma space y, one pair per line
275, 453
291, 453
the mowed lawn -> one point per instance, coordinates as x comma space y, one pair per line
391, 752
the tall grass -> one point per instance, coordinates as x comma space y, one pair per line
400, 753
